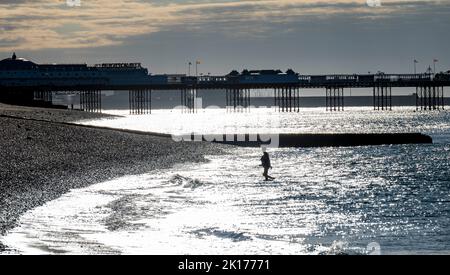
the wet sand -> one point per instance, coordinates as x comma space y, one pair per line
42, 158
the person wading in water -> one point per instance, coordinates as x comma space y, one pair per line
265, 163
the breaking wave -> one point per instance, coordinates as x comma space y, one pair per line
343, 248
185, 182
222, 234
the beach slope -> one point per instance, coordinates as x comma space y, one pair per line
40, 160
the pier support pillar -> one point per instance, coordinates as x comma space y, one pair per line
287, 99
334, 98
382, 97
429, 97
238, 99
43, 95
91, 101
188, 100
140, 101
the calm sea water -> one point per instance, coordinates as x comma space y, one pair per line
354, 200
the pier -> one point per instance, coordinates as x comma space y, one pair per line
28, 83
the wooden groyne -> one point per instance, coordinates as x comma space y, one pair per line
322, 140
275, 140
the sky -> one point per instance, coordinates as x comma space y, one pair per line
309, 36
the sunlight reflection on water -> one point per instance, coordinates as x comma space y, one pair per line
266, 120
323, 200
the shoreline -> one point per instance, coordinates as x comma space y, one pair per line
48, 154
44, 155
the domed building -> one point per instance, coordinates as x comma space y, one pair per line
14, 63
19, 72
20, 78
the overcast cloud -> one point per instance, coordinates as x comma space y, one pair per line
310, 36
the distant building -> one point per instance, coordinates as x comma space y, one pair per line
21, 72
264, 76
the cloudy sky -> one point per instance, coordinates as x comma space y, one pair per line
310, 36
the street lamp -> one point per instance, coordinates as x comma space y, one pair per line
415, 62
196, 67
434, 65
189, 68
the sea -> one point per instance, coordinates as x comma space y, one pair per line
391, 199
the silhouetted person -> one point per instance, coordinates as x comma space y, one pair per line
265, 163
